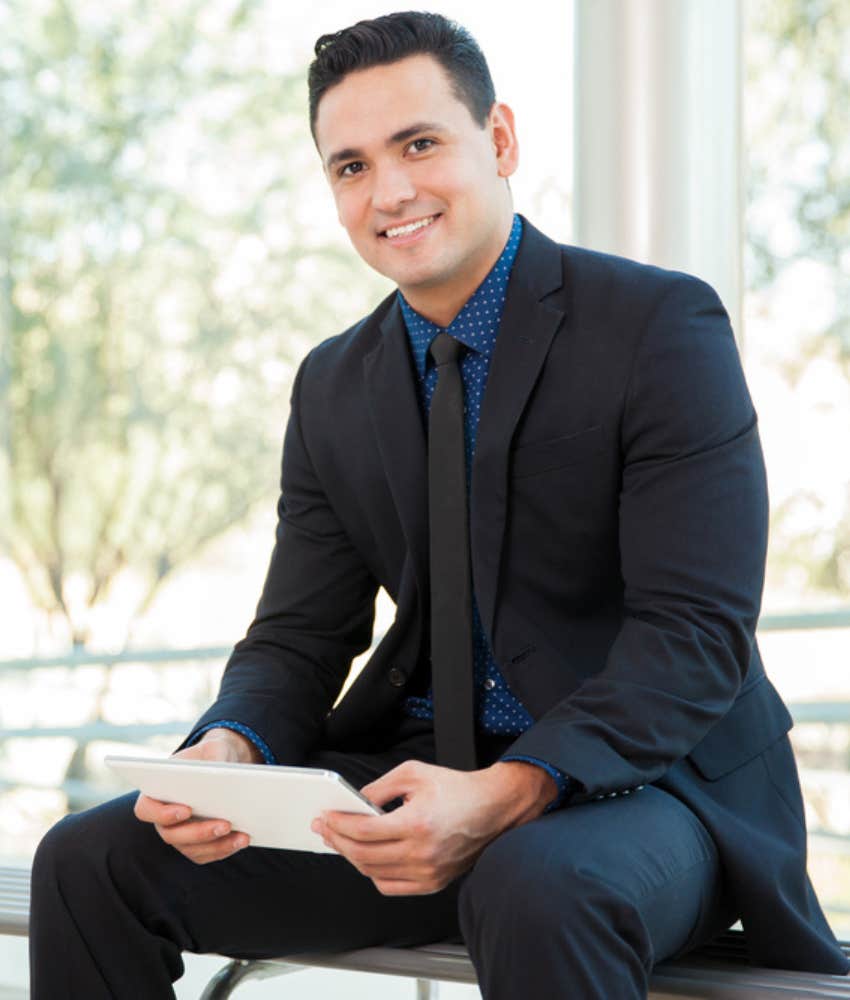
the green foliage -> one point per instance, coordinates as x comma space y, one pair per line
798, 89
160, 278
798, 156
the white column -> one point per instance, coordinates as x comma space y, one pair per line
657, 172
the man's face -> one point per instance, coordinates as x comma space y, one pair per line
419, 185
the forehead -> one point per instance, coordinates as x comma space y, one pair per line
371, 104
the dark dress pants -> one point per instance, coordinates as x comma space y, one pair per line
577, 904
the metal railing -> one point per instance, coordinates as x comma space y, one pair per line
828, 712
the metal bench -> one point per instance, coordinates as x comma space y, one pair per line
717, 972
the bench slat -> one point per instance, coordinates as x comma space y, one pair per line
670, 981
695, 977
14, 900
448, 963
734, 981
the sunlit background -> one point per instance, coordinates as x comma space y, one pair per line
169, 252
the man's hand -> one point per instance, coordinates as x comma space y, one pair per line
199, 840
447, 819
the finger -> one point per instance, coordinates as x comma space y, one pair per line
195, 832
361, 854
391, 826
395, 784
394, 860
164, 813
404, 887
223, 848
389, 860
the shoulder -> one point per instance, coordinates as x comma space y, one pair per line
614, 288
620, 288
629, 275
341, 355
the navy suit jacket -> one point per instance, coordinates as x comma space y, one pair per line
618, 517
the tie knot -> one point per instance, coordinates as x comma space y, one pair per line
445, 349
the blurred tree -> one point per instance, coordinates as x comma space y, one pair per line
799, 85
160, 272
798, 156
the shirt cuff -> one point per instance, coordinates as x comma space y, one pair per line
258, 741
566, 784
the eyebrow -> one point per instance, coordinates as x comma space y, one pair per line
352, 153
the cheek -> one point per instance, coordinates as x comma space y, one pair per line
452, 180
462, 183
349, 210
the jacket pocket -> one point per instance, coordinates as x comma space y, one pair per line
554, 453
757, 719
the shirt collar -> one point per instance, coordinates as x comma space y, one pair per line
478, 321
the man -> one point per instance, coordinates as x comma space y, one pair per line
623, 786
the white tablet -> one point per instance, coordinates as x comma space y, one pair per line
273, 805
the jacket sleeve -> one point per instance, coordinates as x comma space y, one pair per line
693, 537
314, 616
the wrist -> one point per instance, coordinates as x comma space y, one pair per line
243, 749
524, 789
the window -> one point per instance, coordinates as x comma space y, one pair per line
797, 354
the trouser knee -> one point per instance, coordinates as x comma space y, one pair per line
529, 894
78, 845
533, 920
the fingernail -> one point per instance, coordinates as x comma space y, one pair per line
179, 814
220, 830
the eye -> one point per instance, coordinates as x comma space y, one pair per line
420, 145
350, 169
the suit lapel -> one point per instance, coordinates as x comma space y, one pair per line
525, 335
397, 422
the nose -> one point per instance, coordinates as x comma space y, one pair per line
392, 188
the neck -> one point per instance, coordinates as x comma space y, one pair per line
441, 303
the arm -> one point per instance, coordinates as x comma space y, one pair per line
314, 616
692, 534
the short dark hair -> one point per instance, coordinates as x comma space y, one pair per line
388, 39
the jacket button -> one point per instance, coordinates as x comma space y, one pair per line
396, 677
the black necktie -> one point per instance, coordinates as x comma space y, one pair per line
451, 587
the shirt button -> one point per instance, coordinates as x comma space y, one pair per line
396, 677
489, 684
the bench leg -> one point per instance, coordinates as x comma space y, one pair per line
225, 981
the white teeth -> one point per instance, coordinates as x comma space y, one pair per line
411, 228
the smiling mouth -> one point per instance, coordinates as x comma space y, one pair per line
393, 232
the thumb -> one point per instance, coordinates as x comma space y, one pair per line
399, 783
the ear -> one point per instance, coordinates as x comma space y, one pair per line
500, 122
